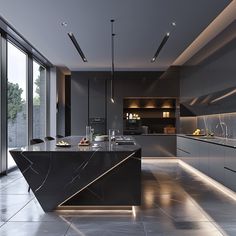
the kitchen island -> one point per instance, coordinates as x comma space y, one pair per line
97, 175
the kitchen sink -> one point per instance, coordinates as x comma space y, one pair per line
125, 143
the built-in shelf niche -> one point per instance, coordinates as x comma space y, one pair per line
156, 113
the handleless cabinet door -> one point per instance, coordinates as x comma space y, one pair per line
230, 168
203, 157
194, 149
216, 162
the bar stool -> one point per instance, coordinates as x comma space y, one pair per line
36, 141
49, 138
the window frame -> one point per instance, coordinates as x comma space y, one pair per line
8, 33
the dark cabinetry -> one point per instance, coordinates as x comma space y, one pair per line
216, 158
157, 145
216, 161
230, 168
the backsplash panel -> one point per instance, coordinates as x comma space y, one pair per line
215, 124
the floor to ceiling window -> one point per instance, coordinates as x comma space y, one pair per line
39, 100
16, 99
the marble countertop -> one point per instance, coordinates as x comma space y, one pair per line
215, 140
153, 134
50, 146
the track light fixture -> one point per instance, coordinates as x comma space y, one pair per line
112, 62
76, 44
163, 42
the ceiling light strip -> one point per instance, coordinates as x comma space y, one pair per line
76, 44
163, 42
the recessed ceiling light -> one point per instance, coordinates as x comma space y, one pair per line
64, 24
173, 23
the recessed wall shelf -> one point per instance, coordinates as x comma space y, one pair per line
157, 115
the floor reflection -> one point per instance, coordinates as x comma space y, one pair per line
174, 202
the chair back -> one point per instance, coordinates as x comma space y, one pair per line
49, 138
36, 141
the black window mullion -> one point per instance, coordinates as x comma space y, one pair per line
3, 105
30, 97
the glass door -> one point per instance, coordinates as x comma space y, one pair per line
16, 99
39, 100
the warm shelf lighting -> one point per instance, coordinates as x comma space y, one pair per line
166, 114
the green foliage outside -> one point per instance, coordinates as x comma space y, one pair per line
15, 102
36, 98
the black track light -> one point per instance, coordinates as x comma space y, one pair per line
74, 41
163, 42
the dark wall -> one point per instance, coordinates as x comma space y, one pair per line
90, 94
60, 102
213, 68
67, 105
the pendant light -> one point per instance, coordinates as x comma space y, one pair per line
112, 62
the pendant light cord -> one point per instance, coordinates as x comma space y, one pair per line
112, 62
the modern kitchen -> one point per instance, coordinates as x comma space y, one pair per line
121, 121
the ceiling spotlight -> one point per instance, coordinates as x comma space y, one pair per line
163, 42
64, 24
76, 44
173, 24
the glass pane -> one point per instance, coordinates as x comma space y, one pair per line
17, 99
39, 101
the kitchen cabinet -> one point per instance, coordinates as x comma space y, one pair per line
216, 161
230, 168
203, 157
157, 145
188, 151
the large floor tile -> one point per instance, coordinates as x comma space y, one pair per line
34, 228
228, 228
1, 223
10, 178
34, 212
105, 228
11, 204
181, 229
16, 187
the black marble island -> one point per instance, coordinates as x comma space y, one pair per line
97, 175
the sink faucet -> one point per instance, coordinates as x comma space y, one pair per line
226, 128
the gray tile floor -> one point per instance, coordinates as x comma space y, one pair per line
174, 202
